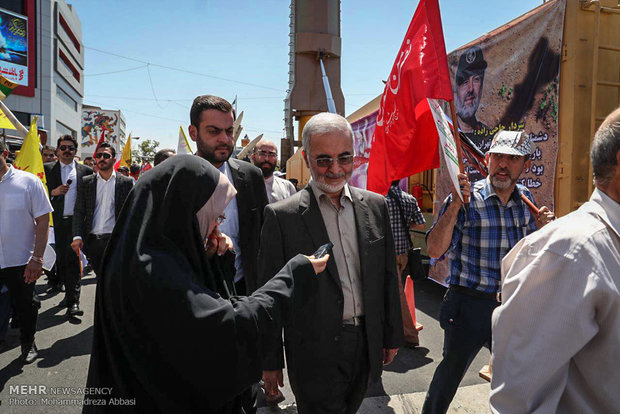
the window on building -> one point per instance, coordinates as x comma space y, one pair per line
64, 60
65, 26
62, 129
66, 98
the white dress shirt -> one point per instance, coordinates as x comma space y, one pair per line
278, 189
103, 218
230, 226
68, 171
556, 337
22, 199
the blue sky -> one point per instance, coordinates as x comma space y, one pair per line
243, 50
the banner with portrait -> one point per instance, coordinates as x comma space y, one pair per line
363, 129
509, 79
14, 47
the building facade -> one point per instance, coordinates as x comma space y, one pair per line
96, 121
52, 79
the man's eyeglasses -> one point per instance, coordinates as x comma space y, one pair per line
221, 218
105, 155
326, 162
67, 147
267, 154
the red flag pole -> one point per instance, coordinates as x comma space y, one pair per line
457, 140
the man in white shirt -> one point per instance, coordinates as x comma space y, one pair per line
99, 201
63, 179
556, 337
24, 223
265, 157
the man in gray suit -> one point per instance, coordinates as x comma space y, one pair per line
346, 322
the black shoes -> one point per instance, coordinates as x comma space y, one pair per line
74, 310
29, 353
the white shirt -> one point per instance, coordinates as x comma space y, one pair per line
278, 189
103, 218
68, 171
230, 226
22, 199
556, 337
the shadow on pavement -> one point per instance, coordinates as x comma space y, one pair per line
10, 371
63, 349
409, 359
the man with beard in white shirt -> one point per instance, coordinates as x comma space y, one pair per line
265, 157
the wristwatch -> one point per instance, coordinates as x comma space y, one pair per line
37, 259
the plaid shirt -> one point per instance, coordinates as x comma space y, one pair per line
485, 231
411, 211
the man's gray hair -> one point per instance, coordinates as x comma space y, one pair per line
324, 123
604, 151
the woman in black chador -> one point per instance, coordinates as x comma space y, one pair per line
170, 336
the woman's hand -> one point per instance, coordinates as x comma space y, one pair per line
218, 242
319, 265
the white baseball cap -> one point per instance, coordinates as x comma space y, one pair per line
511, 143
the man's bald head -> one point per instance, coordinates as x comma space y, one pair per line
265, 157
605, 156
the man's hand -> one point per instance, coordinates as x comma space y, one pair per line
465, 186
389, 354
77, 245
33, 271
272, 379
319, 265
544, 216
60, 190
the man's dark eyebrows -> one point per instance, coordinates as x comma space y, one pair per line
214, 127
342, 154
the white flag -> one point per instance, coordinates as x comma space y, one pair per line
183, 146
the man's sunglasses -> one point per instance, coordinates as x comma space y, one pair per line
326, 162
67, 147
105, 155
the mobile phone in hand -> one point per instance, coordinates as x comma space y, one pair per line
69, 181
323, 250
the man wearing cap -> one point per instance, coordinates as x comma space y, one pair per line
469, 81
265, 157
475, 237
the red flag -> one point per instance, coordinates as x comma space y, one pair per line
145, 167
405, 141
101, 141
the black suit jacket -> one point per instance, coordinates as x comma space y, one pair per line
87, 197
312, 329
53, 177
251, 200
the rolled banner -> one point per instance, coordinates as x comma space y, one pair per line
6, 87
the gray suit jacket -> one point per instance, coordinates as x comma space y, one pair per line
87, 197
312, 328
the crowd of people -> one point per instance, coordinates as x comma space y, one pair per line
209, 281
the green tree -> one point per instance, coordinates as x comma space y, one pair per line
145, 151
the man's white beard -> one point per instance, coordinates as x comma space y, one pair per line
329, 188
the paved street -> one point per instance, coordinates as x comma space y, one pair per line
64, 348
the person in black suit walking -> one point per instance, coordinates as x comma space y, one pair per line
64, 177
99, 202
346, 322
212, 120
212, 129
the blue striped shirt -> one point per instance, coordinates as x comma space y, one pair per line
485, 231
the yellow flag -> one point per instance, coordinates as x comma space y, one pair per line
183, 146
4, 121
29, 157
125, 160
